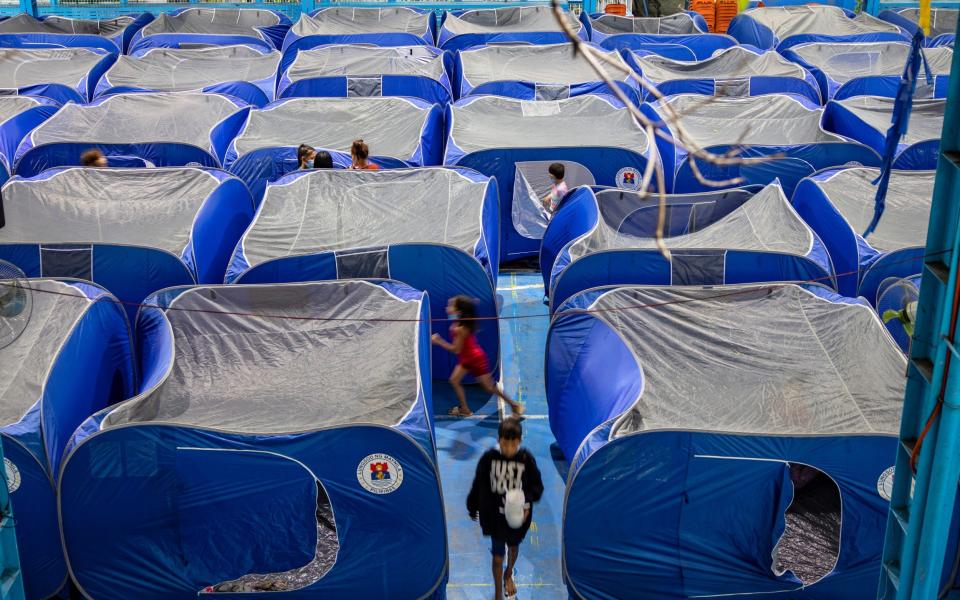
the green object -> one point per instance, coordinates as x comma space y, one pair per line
906, 316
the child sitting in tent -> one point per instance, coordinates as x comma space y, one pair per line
305, 156
558, 188
360, 152
506, 484
93, 158
470, 356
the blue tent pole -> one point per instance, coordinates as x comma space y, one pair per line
11, 580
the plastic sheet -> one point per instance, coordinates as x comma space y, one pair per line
354, 60
926, 118
529, 63
22, 67
503, 20
845, 61
735, 62
216, 21
678, 24
63, 25
786, 21
351, 21
175, 70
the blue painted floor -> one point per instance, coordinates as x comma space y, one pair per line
460, 443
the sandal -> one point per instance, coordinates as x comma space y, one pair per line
456, 412
506, 586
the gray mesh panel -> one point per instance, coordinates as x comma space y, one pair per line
74, 261
27, 361
786, 21
733, 62
679, 24
63, 25
217, 21
284, 371
21, 67
186, 118
526, 63
154, 208
502, 20
773, 359
175, 69
329, 61
494, 122
346, 21
759, 120
334, 123
338, 209
942, 20
926, 119
907, 210
11, 106
843, 62
765, 222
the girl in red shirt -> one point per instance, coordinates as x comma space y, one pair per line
359, 152
470, 356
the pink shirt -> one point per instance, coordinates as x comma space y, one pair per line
557, 192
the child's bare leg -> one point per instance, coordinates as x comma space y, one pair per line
486, 381
509, 587
455, 378
498, 577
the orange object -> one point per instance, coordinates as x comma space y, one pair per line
726, 11
707, 9
615, 9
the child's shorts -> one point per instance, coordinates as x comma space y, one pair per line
476, 366
498, 547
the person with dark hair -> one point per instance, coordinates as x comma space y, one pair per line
322, 160
506, 484
93, 158
558, 187
305, 155
360, 152
471, 359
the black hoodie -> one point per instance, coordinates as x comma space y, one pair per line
495, 475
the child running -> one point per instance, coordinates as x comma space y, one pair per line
470, 356
506, 485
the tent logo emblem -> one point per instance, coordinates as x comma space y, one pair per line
12, 474
379, 474
628, 178
885, 484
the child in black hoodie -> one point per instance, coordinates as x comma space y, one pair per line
508, 468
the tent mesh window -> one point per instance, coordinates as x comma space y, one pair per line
810, 544
216, 21
327, 547
846, 61
174, 69
679, 24
926, 119
496, 20
20, 67
331, 61
942, 20
732, 62
349, 21
786, 21
525, 63
64, 25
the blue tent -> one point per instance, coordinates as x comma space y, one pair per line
18, 116
388, 26
741, 235
839, 205
200, 27
354, 70
538, 72
254, 457
596, 138
133, 231
50, 31
439, 234
759, 126
723, 441
867, 119
461, 29
783, 27
65, 350
60, 74
266, 147
242, 72
849, 69
899, 295
683, 36
159, 129
943, 23
737, 71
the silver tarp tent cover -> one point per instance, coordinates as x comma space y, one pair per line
215, 21
845, 61
553, 64
21, 67
390, 126
340, 209
768, 359
139, 207
907, 210
351, 21
495, 122
11, 106
786, 21
926, 118
176, 70
678, 24
765, 223
942, 20
262, 359
499, 20
736, 62
54, 311
63, 25
354, 60
769, 120
183, 118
